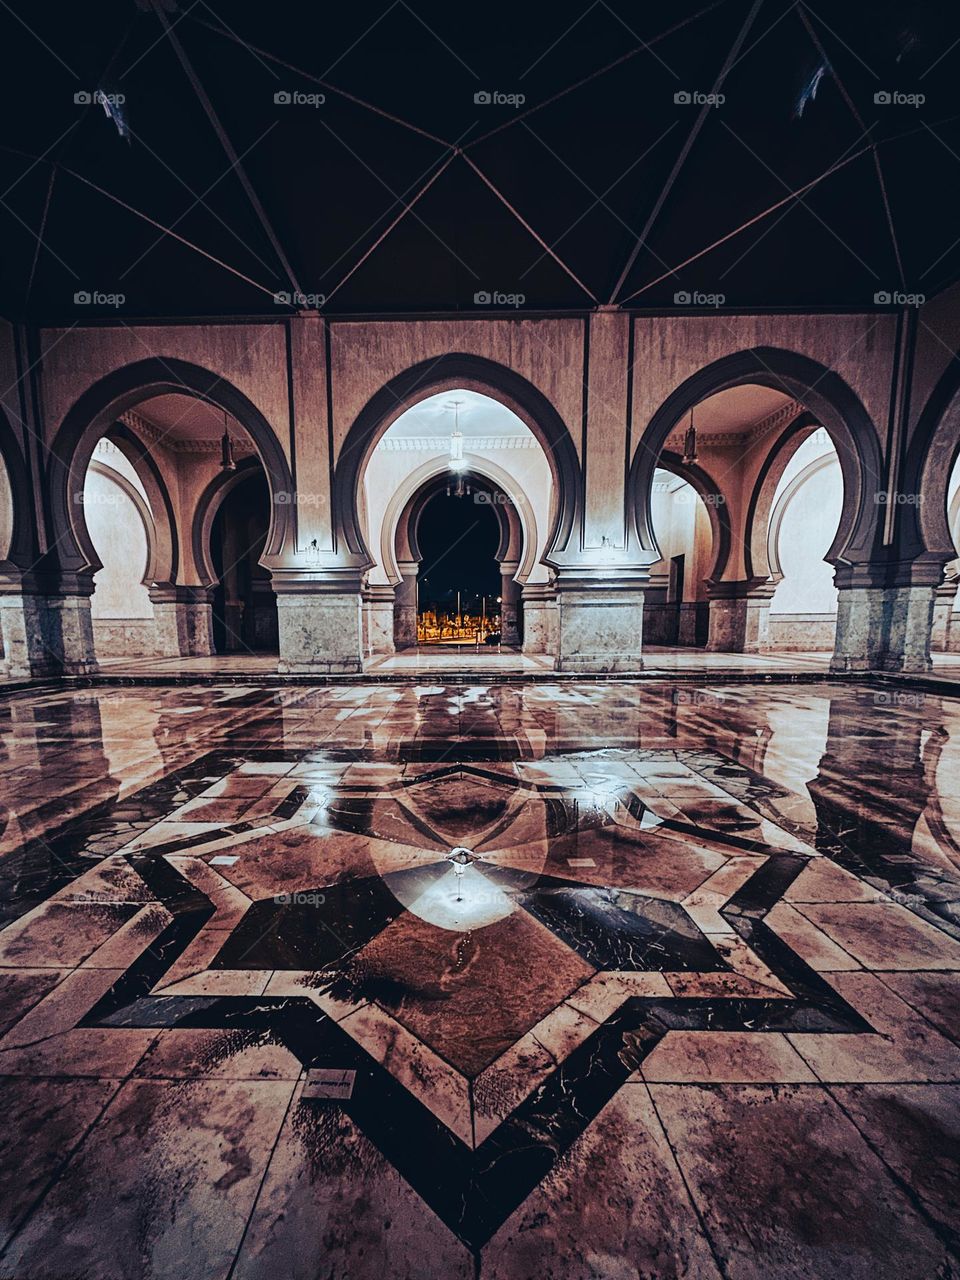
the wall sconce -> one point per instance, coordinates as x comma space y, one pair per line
313, 552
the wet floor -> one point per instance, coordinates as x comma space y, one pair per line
684, 1004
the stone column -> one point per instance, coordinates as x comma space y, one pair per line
509, 604
600, 619
46, 631
378, 618
539, 617
405, 606
319, 617
183, 620
885, 626
945, 636
739, 615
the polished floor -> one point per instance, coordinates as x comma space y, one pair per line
558, 980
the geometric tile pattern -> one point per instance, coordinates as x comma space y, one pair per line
628, 908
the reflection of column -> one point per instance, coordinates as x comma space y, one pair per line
740, 615
47, 633
183, 620
509, 604
378, 618
600, 619
405, 606
319, 622
539, 617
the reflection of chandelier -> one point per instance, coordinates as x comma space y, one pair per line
690, 442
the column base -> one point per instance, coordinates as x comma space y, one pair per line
539, 618
183, 620
600, 628
378, 619
884, 628
739, 616
46, 635
320, 631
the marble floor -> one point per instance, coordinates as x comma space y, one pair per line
561, 981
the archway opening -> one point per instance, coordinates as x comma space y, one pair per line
464, 465
458, 584
804, 517
244, 602
676, 608
120, 523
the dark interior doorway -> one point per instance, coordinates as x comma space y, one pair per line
244, 603
459, 581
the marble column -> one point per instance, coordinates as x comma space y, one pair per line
539, 617
378, 610
47, 632
320, 624
885, 627
405, 606
600, 620
183, 620
509, 604
944, 636
740, 615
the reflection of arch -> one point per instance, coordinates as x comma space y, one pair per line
933, 451
20, 551
143, 511
780, 510
210, 502
481, 469
456, 371
823, 392
757, 562
716, 504
95, 413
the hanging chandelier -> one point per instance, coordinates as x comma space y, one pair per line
457, 461
690, 443
227, 460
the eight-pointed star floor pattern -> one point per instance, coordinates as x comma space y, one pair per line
251, 983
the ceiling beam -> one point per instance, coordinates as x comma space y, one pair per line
228, 147
685, 150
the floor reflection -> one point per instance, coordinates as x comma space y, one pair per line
665, 887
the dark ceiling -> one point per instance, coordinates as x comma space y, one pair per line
199, 194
